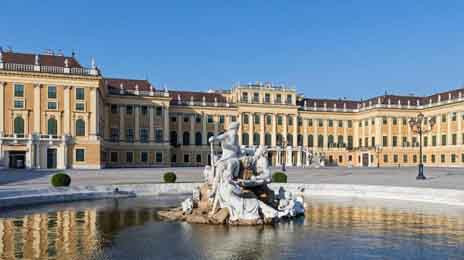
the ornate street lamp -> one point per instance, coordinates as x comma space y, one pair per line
418, 125
284, 145
378, 149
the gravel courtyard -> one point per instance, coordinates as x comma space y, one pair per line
451, 178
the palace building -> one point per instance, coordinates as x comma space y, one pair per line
56, 113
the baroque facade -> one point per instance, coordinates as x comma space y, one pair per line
55, 113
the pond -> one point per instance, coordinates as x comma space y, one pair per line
332, 229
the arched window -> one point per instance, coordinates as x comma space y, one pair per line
52, 126
245, 139
173, 137
19, 125
279, 139
186, 138
267, 139
310, 140
198, 138
80, 127
330, 140
300, 140
256, 138
289, 140
320, 141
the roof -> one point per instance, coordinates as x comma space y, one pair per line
339, 103
197, 96
44, 59
128, 84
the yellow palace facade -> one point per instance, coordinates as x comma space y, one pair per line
55, 113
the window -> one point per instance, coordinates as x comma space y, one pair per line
385, 158
80, 106
373, 141
405, 158
443, 118
366, 122
454, 139
267, 139
289, 120
299, 140
453, 116
129, 157
144, 156
209, 134
310, 140
158, 135
80, 127
268, 119
310, 122
350, 142
186, 119
256, 119
279, 120
340, 142
350, 124
395, 158
245, 139
289, 140
52, 126
18, 103
289, 99
19, 125
434, 140
278, 98
256, 140
234, 119
186, 138
320, 123
414, 158
424, 158
198, 158
384, 120
144, 135
384, 140
279, 140
320, 141
340, 159
144, 110
255, 97
173, 119
198, 119
395, 141
130, 135
114, 156
198, 138
51, 105
267, 98
80, 94
443, 140
330, 123
51, 92
19, 90
462, 157
159, 111
433, 158
442, 157
340, 123
453, 158
114, 108
426, 140
330, 141
129, 110
210, 119
244, 97
186, 158
395, 121
80, 155
159, 157
405, 121
114, 134
221, 119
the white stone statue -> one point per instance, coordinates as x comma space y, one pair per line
187, 206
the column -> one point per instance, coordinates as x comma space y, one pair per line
262, 132
295, 131
151, 123
93, 112
278, 157
299, 162
36, 112
2, 105
251, 128
363, 132
166, 125
216, 124
180, 134
345, 132
378, 130
315, 137
305, 132
192, 129
122, 111
67, 110
137, 123
285, 128
326, 139
274, 130
389, 125
400, 134
240, 141
438, 132
204, 134
356, 133
459, 122
448, 132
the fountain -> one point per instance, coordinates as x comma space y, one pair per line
236, 191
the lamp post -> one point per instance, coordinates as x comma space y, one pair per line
378, 149
418, 125
284, 145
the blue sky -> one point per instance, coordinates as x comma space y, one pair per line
353, 49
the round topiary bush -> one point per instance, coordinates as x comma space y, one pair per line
169, 177
61, 180
279, 177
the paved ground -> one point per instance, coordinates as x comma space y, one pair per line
451, 178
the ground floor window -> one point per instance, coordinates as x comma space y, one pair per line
462, 157
385, 158
114, 156
442, 158
80, 155
144, 156
340, 159
186, 158
159, 157
350, 158
395, 158
405, 158
198, 158
453, 158
433, 158
414, 158
129, 157
173, 158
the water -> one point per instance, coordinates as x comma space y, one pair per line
331, 229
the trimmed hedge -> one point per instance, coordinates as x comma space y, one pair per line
61, 180
279, 177
169, 177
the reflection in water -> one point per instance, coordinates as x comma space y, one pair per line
129, 229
